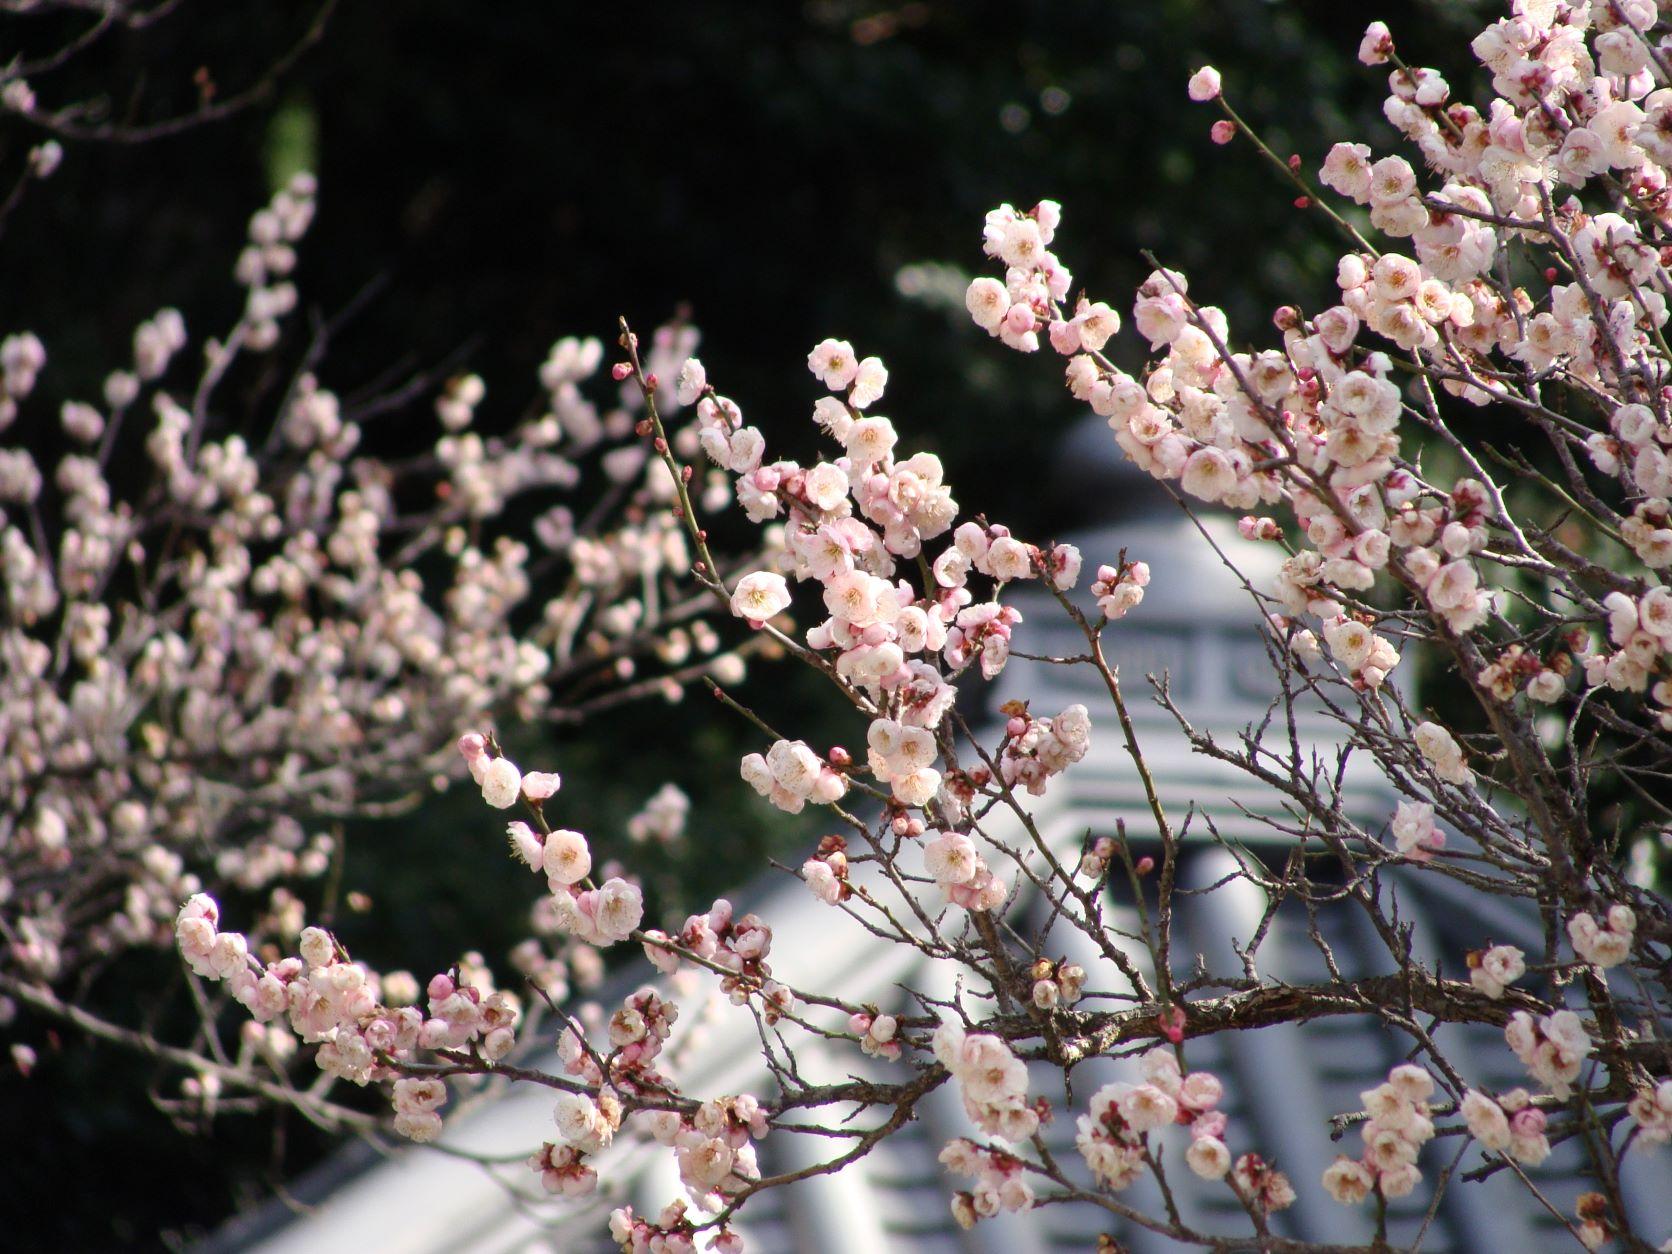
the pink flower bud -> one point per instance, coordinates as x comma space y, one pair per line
1019, 319
1377, 45
1204, 84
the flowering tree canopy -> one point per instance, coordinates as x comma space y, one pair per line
1465, 459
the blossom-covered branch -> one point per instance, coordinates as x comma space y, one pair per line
1467, 459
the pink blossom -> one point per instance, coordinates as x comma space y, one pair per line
833, 363
759, 596
1348, 1182
987, 303
501, 783
1204, 85
565, 858
1377, 44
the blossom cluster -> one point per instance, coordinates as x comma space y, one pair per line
879, 1034
1495, 968
1094, 860
587, 1124
227, 632
847, 522
826, 872
602, 915
1337, 446
671, 1232
1113, 1135
1398, 1126
957, 867
1606, 944
1321, 425
1641, 631
1652, 1109
1119, 590
714, 1146
1035, 749
562, 1170
1317, 423
1507, 1124
790, 775
588, 1118
1414, 832
1001, 1184
1441, 750
1056, 983
1552, 1047
662, 819
735, 945
902, 757
992, 1081
364, 1026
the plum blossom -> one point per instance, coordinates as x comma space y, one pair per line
992, 1081
790, 774
1118, 591
1414, 832
501, 783
834, 364
868, 383
1399, 1125
878, 1034
1036, 749
1606, 944
826, 873
1495, 969
759, 596
1651, 1107
1552, 1047
565, 858
1001, 1184
1436, 744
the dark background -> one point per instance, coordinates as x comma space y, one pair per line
519, 171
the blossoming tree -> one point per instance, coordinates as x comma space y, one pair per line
227, 634
1468, 456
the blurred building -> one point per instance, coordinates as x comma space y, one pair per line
1199, 626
